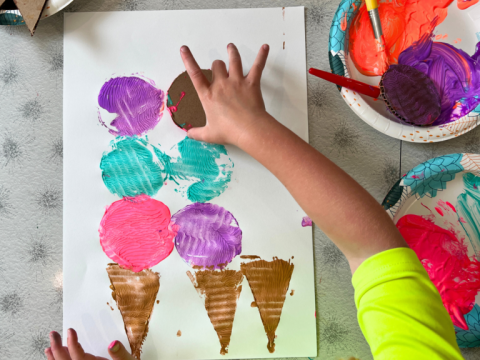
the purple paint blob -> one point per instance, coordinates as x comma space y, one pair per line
410, 95
208, 235
306, 221
455, 74
137, 103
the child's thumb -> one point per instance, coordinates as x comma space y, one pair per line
118, 352
197, 133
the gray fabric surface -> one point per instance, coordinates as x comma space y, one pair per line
31, 176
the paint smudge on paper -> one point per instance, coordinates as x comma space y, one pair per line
249, 257
208, 235
253, 304
220, 290
136, 232
445, 258
137, 103
129, 168
135, 295
456, 75
179, 333
469, 210
306, 221
206, 165
110, 306
269, 282
402, 24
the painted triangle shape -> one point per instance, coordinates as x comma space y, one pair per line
31, 11
269, 282
220, 290
135, 295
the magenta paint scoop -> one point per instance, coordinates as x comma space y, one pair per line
410, 95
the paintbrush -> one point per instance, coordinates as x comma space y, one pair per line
409, 94
372, 9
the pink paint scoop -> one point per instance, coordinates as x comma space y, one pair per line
136, 232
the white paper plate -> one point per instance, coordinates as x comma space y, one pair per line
459, 24
421, 192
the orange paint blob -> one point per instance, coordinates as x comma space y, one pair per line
403, 22
343, 24
465, 4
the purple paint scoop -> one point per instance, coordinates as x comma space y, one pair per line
208, 235
410, 95
139, 105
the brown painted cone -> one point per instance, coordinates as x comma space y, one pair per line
269, 281
31, 11
135, 294
221, 290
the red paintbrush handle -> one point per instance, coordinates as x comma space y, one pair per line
351, 84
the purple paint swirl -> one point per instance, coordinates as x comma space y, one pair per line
139, 105
208, 235
455, 74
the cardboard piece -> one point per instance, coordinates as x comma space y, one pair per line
189, 111
31, 11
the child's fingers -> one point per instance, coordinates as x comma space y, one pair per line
197, 134
118, 352
219, 70
49, 354
200, 82
75, 349
235, 69
59, 352
259, 64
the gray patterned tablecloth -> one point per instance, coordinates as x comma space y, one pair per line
31, 155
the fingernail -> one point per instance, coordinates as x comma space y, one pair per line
69, 333
265, 47
55, 337
184, 48
231, 44
114, 346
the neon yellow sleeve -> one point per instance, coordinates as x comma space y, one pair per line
400, 311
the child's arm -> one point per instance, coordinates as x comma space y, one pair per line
400, 311
337, 204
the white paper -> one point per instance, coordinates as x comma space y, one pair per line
99, 46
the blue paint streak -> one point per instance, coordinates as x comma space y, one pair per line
469, 208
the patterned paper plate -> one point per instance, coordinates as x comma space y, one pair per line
438, 191
373, 112
13, 17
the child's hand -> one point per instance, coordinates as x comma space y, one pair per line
74, 351
233, 103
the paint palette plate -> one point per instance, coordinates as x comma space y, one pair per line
438, 191
462, 28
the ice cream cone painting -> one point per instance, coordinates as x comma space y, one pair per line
269, 281
220, 291
135, 295
137, 233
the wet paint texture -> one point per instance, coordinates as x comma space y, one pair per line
208, 235
403, 22
220, 290
465, 4
138, 103
269, 282
445, 258
202, 164
129, 169
135, 295
469, 209
137, 232
455, 74
410, 95
306, 221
